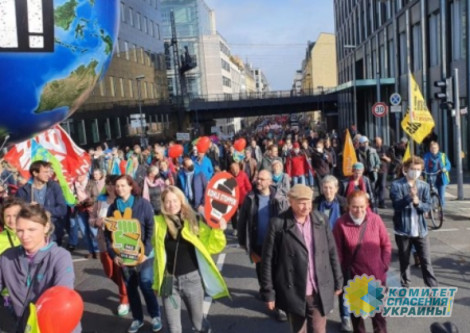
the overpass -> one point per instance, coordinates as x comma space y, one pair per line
206, 108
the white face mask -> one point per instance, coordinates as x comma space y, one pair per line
413, 174
357, 221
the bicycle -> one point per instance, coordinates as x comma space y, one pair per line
435, 218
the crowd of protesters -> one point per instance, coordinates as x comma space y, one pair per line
330, 236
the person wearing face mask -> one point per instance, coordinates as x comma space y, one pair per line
193, 185
437, 166
363, 248
297, 165
411, 199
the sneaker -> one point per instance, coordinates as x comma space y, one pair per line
156, 324
135, 325
122, 310
346, 325
280, 315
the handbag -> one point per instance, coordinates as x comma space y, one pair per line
166, 290
347, 274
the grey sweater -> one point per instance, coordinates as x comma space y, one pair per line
51, 266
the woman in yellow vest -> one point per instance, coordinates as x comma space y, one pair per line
183, 266
8, 213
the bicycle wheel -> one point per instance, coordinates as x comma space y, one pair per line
436, 215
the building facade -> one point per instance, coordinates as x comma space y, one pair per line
134, 84
380, 42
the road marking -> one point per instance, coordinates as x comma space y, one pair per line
208, 300
81, 259
449, 229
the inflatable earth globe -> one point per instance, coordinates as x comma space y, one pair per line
52, 53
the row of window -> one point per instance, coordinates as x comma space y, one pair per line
138, 54
139, 21
226, 81
128, 88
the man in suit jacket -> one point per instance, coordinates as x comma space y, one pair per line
300, 270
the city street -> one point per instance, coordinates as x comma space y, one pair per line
244, 312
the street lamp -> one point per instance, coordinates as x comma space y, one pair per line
142, 139
353, 47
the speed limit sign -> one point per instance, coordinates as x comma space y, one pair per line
379, 109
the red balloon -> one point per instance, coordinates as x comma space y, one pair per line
239, 144
59, 310
203, 144
175, 151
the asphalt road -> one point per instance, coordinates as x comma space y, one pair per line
244, 312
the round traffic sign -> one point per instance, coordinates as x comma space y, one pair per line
395, 99
379, 109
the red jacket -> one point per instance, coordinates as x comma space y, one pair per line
244, 186
297, 164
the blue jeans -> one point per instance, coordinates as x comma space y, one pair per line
79, 222
141, 276
298, 180
311, 180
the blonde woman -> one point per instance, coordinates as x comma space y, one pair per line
183, 266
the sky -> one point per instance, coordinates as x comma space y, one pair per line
272, 34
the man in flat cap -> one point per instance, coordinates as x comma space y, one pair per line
300, 271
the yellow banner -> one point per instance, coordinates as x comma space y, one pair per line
418, 123
32, 326
407, 152
349, 155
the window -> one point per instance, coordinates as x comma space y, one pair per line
134, 52
126, 49
403, 54
117, 127
142, 57
95, 131
157, 31
151, 30
417, 48
131, 89
107, 129
121, 86
434, 39
116, 48
145, 23
81, 132
131, 16
457, 12
138, 21
391, 58
112, 86
102, 88
144, 90
123, 12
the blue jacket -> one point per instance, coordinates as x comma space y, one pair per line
432, 164
199, 187
403, 203
141, 210
54, 203
204, 166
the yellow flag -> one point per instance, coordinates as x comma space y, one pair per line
349, 155
407, 152
32, 326
418, 122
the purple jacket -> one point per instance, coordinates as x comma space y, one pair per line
51, 266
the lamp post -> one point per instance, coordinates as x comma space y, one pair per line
139, 95
353, 47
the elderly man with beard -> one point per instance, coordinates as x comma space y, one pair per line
300, 270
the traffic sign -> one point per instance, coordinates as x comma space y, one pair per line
395, 99
395, 108
379, 109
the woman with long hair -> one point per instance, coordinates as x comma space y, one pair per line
140, 275
184, 268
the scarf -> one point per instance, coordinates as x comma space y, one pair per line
334, 208
433, 164
277, 178
147, 184
188, 188
174, 224
351, 186
122, 205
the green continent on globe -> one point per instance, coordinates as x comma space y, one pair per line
108, 41
66, 91
65, 14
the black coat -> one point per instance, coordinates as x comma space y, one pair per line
285, 264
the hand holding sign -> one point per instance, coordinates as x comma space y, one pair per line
126, 237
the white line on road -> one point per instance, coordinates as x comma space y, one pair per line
208, 300
449, 229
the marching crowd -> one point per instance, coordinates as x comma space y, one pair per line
305, 247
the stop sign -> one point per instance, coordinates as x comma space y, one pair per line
379, 109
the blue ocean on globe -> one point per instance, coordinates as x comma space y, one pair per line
40, 89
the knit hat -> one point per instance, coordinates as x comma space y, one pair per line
363, 139
358, 166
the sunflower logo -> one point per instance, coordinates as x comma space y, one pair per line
363, 296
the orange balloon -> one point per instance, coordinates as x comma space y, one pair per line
175, 151
59, 310
239, 144
203, 144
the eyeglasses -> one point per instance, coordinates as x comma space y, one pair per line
262, 179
